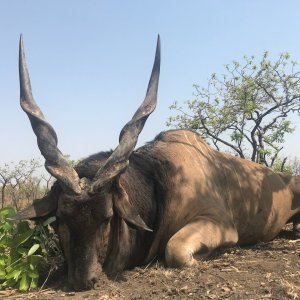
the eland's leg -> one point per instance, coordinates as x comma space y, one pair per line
199, 237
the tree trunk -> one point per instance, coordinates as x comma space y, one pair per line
3, 196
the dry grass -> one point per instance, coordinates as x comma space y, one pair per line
291, 289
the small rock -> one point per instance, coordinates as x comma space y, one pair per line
70, 294
226, 289
184, 288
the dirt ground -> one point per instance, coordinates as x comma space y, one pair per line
264, 271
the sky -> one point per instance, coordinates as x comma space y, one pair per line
90, 62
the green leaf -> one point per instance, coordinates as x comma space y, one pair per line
3, 241
20, 238
9, 283
33, 273
24, 283
34, 283
22, 250
2, 277
35, 259
2, 271
14, 255
49, 221
2, 262
33, 249
7, 226
7, 212
23, 227
14, 274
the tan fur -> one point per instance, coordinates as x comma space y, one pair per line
216, 199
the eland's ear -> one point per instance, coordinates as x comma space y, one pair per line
126, 210
40, 207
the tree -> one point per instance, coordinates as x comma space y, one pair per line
295, 165
5, 178
248, 109
281, 165
19, 185
292, 166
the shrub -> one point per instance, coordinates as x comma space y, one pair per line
24, 248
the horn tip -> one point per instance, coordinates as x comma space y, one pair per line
21, 38
21, 47
158, 48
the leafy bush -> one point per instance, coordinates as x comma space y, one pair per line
24, 247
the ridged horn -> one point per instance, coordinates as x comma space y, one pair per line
55, 163
118, 161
